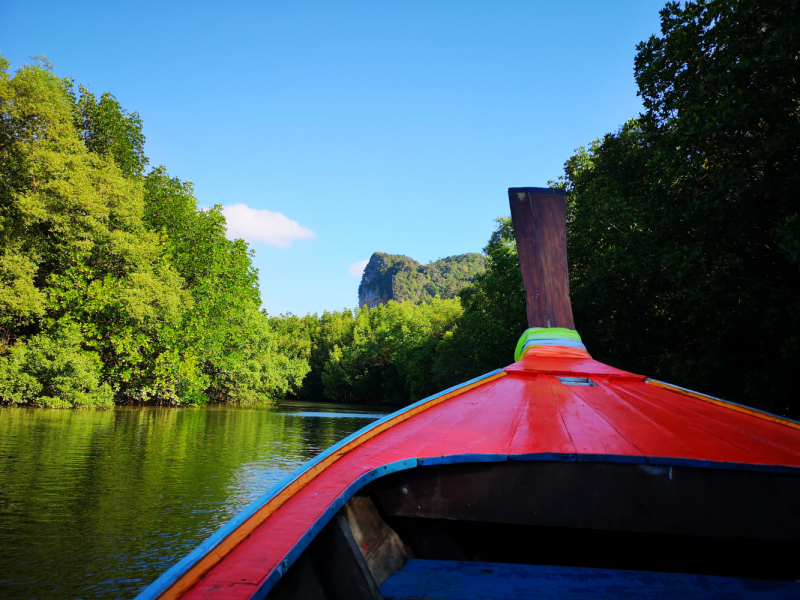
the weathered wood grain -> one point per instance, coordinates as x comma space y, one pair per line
381, 548
539, 216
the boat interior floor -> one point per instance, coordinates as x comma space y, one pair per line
458, 580
475, 531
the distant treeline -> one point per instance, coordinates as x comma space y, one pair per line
400, 351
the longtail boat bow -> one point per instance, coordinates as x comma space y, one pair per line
557, 476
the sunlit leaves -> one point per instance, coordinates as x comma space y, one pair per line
681, 233
113, 284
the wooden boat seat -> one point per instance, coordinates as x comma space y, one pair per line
461, 580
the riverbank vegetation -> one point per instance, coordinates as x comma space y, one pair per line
684, 235
400, 352
114, 286
684, 250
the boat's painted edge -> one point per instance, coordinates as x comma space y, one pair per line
656, 461
167, 579
451, 459
309, 536
761, 414
406, 464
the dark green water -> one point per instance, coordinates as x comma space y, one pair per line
96, 504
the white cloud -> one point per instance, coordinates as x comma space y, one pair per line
356, 269
265, 226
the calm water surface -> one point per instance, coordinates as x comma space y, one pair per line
96, 504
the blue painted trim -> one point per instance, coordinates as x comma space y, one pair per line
554, 342
616, 458
763, 412
172, 574
411, 463
545, 456
728, 466
452, 459
661, 461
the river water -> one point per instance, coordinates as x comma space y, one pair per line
96, 504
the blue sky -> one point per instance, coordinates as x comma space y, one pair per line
369, 126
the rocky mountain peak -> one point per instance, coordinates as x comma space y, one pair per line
400, 278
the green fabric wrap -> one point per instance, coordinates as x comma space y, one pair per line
545, 333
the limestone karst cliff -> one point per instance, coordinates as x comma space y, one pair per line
397, 277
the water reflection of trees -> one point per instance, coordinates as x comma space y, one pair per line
114, 496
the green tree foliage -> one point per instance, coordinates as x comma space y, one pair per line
74, 243
683, 232
113, 283
684, 245
314, 338
108, 129
235, 348
54, 370
391, 354
381, 355
399, 352
494, 315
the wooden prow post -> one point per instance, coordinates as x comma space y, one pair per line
539, 216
